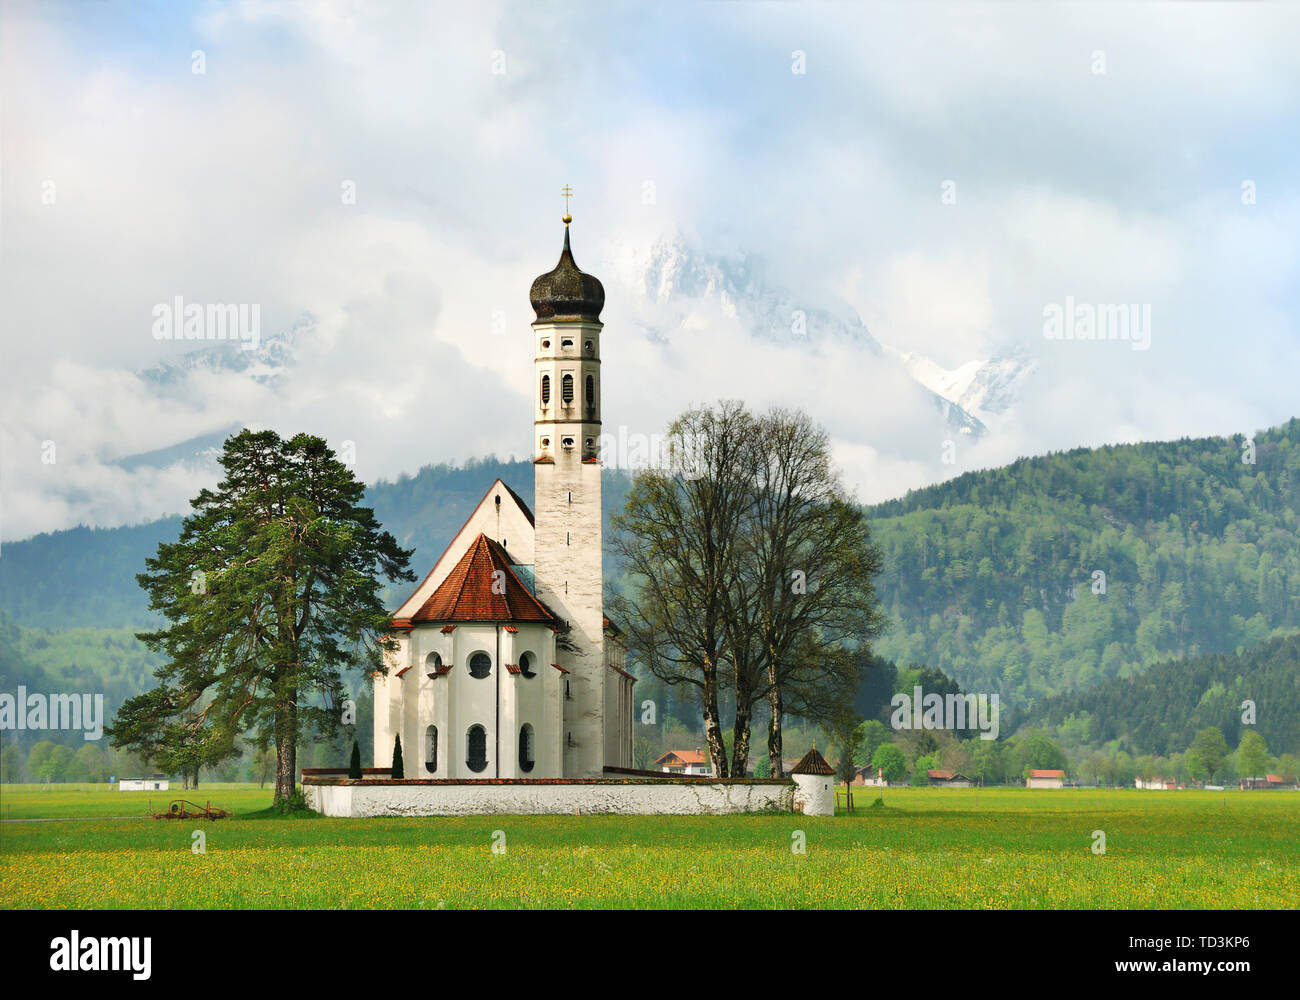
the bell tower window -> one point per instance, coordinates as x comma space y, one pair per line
566, 389
591, 390
546, 390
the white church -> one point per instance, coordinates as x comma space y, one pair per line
506, 666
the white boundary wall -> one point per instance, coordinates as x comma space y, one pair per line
357, 799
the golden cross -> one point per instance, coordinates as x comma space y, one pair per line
568, 193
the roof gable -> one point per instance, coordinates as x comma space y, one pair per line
510, 517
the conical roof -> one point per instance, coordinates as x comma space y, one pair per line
813, 763
483, 587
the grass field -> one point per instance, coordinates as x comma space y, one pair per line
942, 848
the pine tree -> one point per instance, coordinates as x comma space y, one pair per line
354, 767
398, 771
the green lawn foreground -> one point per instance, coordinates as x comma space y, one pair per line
927, 848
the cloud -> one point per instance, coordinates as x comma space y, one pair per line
130, 180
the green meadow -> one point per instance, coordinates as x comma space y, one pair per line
924, 848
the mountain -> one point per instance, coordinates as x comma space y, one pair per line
671, 284
85, 577
1055, 573
1162, 710
989, 577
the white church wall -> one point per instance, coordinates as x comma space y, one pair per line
533, 798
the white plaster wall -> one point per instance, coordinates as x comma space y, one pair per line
815, 794
652, 798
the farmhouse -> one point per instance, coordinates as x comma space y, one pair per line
1155, 784
1273, 781
154, 783
947, 779
1044, 778
684, 762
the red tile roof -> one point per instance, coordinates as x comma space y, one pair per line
813, 763
1041, 773
467, 595
939, 775
685, 756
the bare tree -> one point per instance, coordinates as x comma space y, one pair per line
677, 537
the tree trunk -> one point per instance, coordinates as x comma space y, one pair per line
774, 743
286, 751
196, 776
713, 725
740, 738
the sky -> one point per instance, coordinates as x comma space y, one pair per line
387, 177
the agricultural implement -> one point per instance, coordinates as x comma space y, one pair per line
184, 809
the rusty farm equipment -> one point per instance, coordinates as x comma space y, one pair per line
184, 809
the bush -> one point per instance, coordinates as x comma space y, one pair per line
398, 770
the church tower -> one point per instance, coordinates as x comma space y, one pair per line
567, 503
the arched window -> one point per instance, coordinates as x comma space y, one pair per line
566, 389
476, 749
433, 663
526, 757
591, 390
526, 665
546, 389
480, 665
431, 749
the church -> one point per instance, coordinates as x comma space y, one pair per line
506, 666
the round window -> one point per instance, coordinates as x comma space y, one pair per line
480, 665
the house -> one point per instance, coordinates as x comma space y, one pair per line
685, 762
153, 783
504, 664
1268, 781
1045, 778
947, 779
1155, 784
874, 777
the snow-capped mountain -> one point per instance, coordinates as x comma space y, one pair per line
980, 388
674, 285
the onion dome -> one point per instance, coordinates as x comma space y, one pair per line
566, 293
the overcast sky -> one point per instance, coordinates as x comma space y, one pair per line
1114, 154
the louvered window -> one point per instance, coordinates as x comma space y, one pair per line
526, 759
480, 665
591, 390
546, 389
566, 392
476, 749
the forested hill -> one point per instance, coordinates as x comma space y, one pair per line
1162, 710
85, 577
991, 577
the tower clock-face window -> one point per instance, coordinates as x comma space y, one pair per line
566, 392
546, 389
480, 665
476, 749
